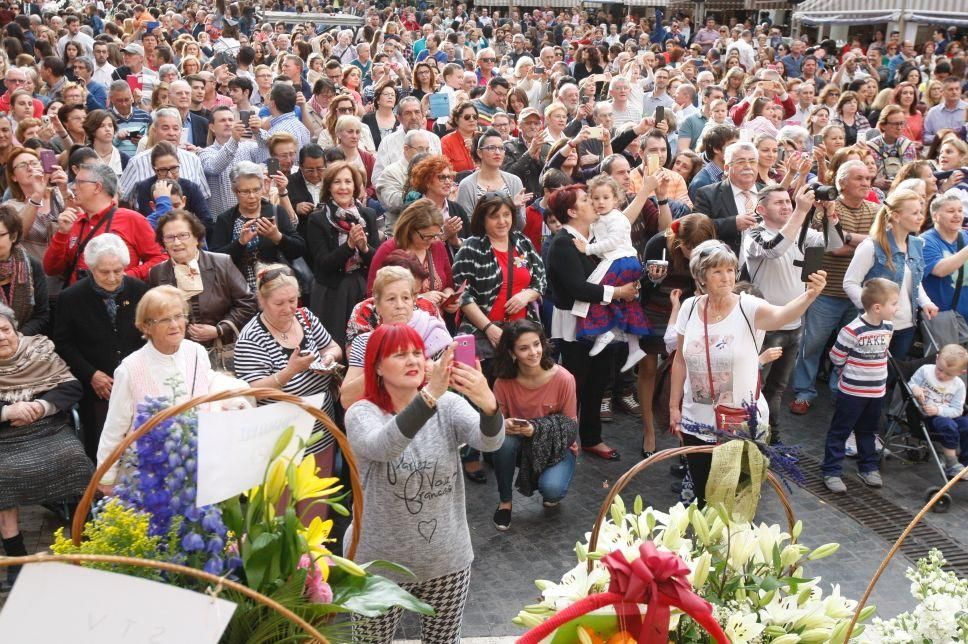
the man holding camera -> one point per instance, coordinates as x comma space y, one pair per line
775, 250
833, 310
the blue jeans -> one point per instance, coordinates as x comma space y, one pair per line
553, 482
858, 415
953, 433
825, 316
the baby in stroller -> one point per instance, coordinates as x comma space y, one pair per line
940, 390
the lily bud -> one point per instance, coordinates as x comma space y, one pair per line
824, 551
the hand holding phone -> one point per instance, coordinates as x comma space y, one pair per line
659, 113
273, 165
48, 160
812, 261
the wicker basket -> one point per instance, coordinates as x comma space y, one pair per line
658, 457
940, 494
218, 583
77, 527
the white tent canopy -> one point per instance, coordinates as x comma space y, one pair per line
866, 12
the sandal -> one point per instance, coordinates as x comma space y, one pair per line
606, 454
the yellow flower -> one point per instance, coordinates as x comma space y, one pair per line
316, 535
276, 480
310, 486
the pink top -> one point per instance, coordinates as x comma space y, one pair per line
441, 279
557, 396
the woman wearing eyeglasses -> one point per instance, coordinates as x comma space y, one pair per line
382, 121
434, 178
342, 105
167, 365
419, 231
489, 152
164, 161
220, 302
457, 145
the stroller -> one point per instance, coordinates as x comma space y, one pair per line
908, 437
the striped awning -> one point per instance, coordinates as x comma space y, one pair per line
847, 12
768, 5
710, 6
537, 4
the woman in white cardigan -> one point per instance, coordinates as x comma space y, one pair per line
168, 365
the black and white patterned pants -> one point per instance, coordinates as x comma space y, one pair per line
447, 595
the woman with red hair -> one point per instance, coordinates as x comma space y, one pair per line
567, 274
434, 177
405, 435
907, 96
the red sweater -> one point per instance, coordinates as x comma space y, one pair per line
438, 253
739, 111
129, 225
452, 146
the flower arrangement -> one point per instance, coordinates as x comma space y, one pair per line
258, 538
942, 611
753, 575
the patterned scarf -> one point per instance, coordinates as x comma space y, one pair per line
342, 219
34, 368
19, 296
109, 299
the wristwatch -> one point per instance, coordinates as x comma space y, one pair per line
847, 238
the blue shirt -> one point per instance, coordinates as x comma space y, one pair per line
941, 290
792, 65
97, 96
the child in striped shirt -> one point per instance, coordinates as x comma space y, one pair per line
861, 351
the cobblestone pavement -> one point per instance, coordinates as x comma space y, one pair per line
540, 543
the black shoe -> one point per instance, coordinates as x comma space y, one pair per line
646, 454
679, 469
477, 476
502, 519
676, 487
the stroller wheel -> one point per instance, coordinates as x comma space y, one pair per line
943, 504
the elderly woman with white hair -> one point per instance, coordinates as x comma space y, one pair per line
94, 329
41, 461
254, 231
716, 368
168, 365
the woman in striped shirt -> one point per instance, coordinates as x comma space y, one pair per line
286, 348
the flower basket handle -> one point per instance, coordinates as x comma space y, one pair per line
84, 507
657, 458
897, 546
219, 583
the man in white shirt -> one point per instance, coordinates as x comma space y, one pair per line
658, 96
102, 68
685, 102
805, 93
773, 260
747, 55
623, 110
411, 117
74, 34
389, 185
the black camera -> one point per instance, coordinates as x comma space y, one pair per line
824, 192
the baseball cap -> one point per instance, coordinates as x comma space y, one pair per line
133, 48
526, 112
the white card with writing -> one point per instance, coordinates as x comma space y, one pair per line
98, 607
234, 446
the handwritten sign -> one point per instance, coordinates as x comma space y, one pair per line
98, 607
234, 446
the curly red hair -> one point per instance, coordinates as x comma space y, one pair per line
426, 169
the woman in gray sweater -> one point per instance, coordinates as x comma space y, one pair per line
405, 437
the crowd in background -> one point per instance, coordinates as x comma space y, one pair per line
561, 216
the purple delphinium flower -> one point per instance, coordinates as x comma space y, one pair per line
159, 478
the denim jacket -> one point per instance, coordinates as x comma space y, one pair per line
914, 261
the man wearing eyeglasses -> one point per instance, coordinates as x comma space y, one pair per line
731, 203
390, 183
411, 116
16, 78
95, 190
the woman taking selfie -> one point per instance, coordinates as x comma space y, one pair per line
405, 431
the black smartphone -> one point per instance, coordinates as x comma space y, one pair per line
273, 165
812, 260
539, 70
660, 113
244, 116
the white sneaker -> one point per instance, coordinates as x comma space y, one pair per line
601, 342
634, 357
850, 446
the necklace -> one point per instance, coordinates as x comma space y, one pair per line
104, 157
284, 334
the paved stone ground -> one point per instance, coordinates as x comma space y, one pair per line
540, 543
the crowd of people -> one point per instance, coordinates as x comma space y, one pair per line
480, 234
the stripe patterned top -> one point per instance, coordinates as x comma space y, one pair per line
476, 264
861, 349
258, 355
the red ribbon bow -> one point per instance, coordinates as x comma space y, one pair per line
674, 226
656, 578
